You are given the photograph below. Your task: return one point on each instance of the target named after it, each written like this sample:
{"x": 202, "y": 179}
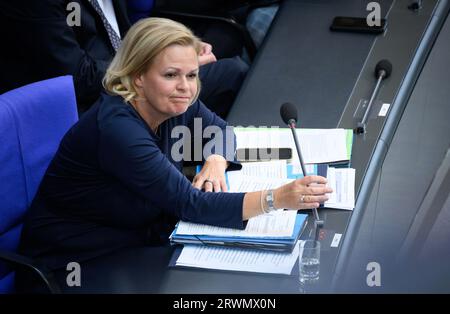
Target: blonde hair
{"x": 143, "y": 42}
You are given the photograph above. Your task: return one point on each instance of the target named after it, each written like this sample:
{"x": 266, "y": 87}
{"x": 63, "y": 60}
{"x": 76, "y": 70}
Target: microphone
{"x": 383, "y": 70}
{"x": 288, "y": 113}
{"x": 415, "y": 5}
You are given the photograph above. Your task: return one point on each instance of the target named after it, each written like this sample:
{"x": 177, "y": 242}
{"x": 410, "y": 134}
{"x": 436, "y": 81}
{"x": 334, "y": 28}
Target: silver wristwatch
{"x": 269, "y": 201}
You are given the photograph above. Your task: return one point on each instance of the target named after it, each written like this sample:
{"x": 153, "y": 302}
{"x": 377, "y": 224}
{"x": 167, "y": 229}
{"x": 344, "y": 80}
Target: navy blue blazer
{"x": 114, "y": 184}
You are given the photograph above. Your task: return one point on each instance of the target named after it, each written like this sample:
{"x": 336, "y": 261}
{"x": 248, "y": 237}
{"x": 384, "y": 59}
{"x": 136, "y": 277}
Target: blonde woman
{"x": 114, "y": 182}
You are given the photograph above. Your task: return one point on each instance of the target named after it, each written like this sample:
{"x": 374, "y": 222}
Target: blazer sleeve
{"x": 133, "y": 157}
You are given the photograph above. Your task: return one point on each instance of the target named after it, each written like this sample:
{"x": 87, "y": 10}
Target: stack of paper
{"x": 276, "y": 231}
{"x": 317, "y": 145}
{"x": 342, "y": 181}
{"x": 238, "y": 259}
{"x": 269, "y": 174}
{"x": 256, "y": 176}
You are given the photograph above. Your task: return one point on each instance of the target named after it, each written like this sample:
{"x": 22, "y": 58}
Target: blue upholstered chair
{"x": 33, "y": 120}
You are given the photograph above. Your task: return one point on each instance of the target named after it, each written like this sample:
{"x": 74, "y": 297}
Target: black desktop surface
{"x": 303, "y": 62}
{"x": 147, "y": 270}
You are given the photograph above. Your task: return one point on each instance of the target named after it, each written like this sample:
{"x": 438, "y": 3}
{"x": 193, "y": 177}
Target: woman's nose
{"x": 182, "y": 83}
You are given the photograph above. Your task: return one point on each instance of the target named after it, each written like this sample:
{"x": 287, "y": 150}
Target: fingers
{"x": 305, "y": 193}
{"x": 308, "y": 205}
{"x": 207, "y": 58}
{"x": 212, "y": 185}
{"x": 318, "y": 190}
{"x": 311, "y": 201}
{"x": 314, "y": 185}
{"x": 315, "y": 199}
{"x": 206, "y": 48}
{"x": 212, "y": 176}
{"x": 198, "y": 182}
{"x": 223, "y": 185}
{"x": 208, "y": 186}
{"x": 313, "y": 179}
{"x": 216, "y": 185}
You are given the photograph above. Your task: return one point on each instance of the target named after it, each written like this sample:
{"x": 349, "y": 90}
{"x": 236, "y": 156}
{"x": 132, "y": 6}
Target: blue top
{"x": 113, "y": 183}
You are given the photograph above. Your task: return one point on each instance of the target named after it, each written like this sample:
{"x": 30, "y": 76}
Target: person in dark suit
{"x": 116, "y": 181}
{"x": 41, "y": 41}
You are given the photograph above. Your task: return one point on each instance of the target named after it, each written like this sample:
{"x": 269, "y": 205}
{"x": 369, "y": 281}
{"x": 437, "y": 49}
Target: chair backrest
{"x": 33, "y": 120}
{"x": 139, "y": 9}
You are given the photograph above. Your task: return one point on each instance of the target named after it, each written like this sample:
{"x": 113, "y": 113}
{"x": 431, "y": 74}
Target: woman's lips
{"x": 181, "y": 98}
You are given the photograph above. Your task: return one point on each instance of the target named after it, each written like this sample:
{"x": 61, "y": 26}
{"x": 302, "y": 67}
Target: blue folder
{"x": 266, "y": 243}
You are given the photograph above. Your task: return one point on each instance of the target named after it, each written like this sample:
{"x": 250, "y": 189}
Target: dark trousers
{"x": 221, "y": 82}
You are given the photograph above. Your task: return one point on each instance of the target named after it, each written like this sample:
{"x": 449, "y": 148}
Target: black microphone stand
{"x": 361, "y": 127}
{"x": 317, "y": 221}
{"x": 383, "y": 70}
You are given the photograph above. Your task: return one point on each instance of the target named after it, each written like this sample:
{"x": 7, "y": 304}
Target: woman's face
{"x": 170, "y": 83}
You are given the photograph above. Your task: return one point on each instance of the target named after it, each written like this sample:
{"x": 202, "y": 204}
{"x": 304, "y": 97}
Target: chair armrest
{"x": 45, "y": 274}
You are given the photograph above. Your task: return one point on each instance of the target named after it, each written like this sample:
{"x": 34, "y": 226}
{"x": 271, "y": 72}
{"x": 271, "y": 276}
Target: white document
{"x": 239, "y": 183}
{"x": 342, "y": 181}
{"x": 264, "y": 169}
{"x": 279, "y": 223}
{"x": 298, "y": 172}
{"x": 238, "y": 259}
{"x": 257, "y": 176}
{"x": 317, "y": 145}
{"x": 274, "y": 169}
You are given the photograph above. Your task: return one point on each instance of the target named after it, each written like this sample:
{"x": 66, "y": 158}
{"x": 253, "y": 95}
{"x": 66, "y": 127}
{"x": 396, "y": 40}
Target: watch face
{"x": 269, "y": 199}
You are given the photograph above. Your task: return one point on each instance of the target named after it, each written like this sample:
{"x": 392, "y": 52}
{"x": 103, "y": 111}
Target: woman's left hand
{"x": 206, "y": 55}
{"x": 212, "y": 175}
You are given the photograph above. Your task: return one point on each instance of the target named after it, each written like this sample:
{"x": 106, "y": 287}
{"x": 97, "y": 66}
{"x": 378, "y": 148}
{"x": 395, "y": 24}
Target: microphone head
{"x": 288, "y": 112}
{"x": 383, "y": 65}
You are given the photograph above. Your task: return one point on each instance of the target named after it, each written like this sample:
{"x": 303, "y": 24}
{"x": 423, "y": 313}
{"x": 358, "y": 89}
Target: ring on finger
{"x": 302, "y": 199}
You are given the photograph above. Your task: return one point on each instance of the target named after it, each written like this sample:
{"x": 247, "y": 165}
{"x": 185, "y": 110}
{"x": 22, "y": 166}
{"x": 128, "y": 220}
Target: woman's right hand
{"x": 304, "y": 193}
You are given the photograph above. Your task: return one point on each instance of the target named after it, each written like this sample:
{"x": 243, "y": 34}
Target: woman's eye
{"x": 170, "y": 75}
{"x": 192, "y": 75}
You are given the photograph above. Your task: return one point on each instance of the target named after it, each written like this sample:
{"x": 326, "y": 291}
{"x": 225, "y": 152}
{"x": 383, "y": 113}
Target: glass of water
{"x": 309, "y": 262}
